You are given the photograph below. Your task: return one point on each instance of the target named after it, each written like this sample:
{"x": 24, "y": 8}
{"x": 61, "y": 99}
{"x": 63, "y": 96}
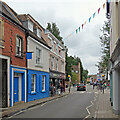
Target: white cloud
{"x": 69, "y": 15}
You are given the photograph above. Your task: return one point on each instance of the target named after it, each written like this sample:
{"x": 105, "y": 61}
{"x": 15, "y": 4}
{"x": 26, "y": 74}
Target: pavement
{"x": 101, "y": 106}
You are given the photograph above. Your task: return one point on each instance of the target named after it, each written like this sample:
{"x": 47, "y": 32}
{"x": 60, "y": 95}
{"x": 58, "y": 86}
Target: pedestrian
{"x": 52, "y": 90}
{"x": 103, "y": 87}
{"x": 61, "y": 88}
{"x": 93, "y": 85}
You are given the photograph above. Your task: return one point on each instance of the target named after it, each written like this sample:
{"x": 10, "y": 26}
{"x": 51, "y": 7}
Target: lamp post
{"x": 69, "y": 82}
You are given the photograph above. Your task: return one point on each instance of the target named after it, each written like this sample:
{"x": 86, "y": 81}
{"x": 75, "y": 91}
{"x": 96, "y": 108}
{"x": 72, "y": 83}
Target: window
{"x": 39, "y": 33}
{"x": 56, "y": 64}
{"x": 38, "y": 56}
{"x": 30, "y": 26}
{"x": 1, "y": 34}
{"x": 33, "y": 83}
{"x": 43, "y": 83}
{"x": 62, "y": 66}
{"x": 19, "y": 46}
{"x": 56, "y": 49}
{"x": 52, "y": 45}
{"x": 52, "y": 63}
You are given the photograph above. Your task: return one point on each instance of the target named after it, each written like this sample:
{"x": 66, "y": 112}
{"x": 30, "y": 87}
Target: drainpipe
{"x": 26, "y": 66}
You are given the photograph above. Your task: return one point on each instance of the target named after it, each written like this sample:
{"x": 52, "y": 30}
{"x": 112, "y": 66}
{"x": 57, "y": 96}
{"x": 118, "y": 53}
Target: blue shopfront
{"x": 38, "y": 85}
{"x": 17, "y": 85}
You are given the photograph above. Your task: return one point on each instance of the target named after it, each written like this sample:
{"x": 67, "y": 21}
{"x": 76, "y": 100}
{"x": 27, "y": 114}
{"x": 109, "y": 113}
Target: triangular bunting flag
{"x": 79, "y": 29}
{"x": 89, "y": 19}
{"x": 94, "y": 15}
{"x": 85, "y": 22}
{"x": 76, "y": 30}
{"x": 82, "y": 26}
{"x": 103, "y": 5}
{"x": 98, "y": 10}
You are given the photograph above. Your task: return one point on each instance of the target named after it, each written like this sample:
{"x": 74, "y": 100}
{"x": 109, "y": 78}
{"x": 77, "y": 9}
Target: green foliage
{"x": 54, "y": 30}
{"x": 70, "y": 61}
{"x": 105, "y": 46}
{"x": 85, "y": 75}
{"x": 75, "y": 76}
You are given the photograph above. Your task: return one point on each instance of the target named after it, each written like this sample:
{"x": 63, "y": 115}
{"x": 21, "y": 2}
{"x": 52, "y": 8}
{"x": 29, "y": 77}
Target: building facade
{"x": 12, "y": 57}
{"x": 113, "y": 9}
{"x": 38, "y": 64}
{"x": 56, "y": 61}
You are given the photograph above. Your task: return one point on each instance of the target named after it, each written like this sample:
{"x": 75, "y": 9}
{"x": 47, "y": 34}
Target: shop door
{"x": 16, "y": 87}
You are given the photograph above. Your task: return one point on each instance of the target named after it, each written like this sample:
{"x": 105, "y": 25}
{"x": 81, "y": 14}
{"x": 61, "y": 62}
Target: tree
{"x": 85, "y": 75}
{"x": 70, "y": 61}
{"x": 54, "y": 30}
{"x": 105, "y": 46}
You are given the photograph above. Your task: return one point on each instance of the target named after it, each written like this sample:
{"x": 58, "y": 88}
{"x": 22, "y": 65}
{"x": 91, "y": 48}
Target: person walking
{"x": 104, "y": 87}
{"x": 52, "y": 90}
{"x": 61, "y": 88}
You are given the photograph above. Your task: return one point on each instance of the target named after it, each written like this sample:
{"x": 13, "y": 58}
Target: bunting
{"x": 82, "y": 26}
{"x": 103, "y": 5}
{"x": 93, "y": 16}
{"x": 98, "y": 10}
{"x": 89, "y": 19}
{"x": 79, "y": 29}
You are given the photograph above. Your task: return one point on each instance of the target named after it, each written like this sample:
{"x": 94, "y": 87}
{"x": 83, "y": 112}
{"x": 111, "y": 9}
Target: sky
{"x": 69, "y": 15}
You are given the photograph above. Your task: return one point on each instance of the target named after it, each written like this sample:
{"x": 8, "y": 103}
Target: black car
{"x": 81, "y": 87}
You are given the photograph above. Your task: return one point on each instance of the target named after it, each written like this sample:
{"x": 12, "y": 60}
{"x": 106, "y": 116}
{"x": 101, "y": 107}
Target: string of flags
{"x": 89, "y": 20}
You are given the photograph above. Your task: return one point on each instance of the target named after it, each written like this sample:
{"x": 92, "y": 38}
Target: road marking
{"x": 14, "y": 115}
{"x": 87, "y": 108}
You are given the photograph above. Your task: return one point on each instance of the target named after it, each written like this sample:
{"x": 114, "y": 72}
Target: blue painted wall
{"x": 23, "y": 82}
{"x": 38, "y": 86}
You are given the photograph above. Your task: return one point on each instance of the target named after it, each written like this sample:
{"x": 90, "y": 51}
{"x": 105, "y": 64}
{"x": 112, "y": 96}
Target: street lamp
{"x": 69, "y": 82}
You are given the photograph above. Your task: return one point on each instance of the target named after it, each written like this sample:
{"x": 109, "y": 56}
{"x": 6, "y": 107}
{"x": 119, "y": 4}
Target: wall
{"x": 32, "y": 44}
{"x": 38, "y": 94}
{"x": 10, "y": 32}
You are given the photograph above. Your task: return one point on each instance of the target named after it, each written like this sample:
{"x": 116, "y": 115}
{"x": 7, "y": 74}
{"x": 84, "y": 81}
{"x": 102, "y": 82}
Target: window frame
{"x": 38, "y": 57}
{"x": 52, "y": 61}
{"x": 34, "y": 79}
{"x": 21, "y": 46}
{"x": 52, "y": 45}
{"x": 43, "y": 82}
{"x": 56, "y": 64}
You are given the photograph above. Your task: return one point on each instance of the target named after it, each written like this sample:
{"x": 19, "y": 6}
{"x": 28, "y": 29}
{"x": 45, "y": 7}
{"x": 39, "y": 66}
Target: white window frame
{"x": 33, "y": 77}
{"x": 30, "y": 25}
{"x": 38, "y": 56}
{"x": 19, "y": 46}
{"x": 52, "y": 45}
{"x": 56, "y": 49}
{"x": 62, "y": 66}
{"x": 56, "y": 64}
{"x": 39, "y": 33}
{"x": 52, "y": 63}
{"x": 43, "y": 82}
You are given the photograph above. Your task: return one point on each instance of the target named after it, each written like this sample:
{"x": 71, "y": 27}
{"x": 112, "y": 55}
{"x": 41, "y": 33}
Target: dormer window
{"x": 39, "y": 33}
{"x": 30, "y": 25}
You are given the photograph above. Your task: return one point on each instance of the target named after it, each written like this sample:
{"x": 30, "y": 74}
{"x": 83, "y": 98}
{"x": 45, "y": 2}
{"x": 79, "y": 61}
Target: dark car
{"x": 81, "y": 87}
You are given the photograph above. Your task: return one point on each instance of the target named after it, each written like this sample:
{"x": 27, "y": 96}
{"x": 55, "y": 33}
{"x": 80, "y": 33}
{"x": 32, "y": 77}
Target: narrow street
{"x": 71, "y": 106}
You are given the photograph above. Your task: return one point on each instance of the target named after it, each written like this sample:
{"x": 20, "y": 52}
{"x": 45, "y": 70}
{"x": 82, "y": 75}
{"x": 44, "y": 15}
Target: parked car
{"x": 81, "y": 87}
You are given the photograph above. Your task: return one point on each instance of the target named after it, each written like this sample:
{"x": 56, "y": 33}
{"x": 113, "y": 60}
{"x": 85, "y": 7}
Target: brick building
{"x": 12, "y": 57}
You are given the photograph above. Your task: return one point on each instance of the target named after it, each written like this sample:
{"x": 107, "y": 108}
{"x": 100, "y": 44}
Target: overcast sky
{"x": 69, "y": 15}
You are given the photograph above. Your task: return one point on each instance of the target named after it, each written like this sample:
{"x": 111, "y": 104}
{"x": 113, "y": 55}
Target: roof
{"x": 33, "y": 35}
{"x": 9, "y": 12}
{"x": 25, "y": 17}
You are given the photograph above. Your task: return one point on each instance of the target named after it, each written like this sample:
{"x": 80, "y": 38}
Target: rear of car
{"x": 81, "y": 87}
